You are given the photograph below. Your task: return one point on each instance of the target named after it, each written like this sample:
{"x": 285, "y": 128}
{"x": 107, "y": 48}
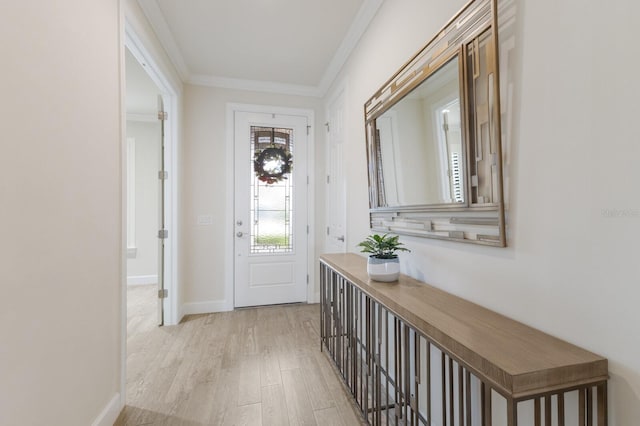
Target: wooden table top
{"x": 518, "y": 360}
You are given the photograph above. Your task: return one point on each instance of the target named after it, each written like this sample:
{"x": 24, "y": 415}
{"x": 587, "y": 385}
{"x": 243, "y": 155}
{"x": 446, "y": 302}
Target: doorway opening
{"x": 145, "y": 192}
{"x": 151, "y": 106}
{"x": 149, "y": 156}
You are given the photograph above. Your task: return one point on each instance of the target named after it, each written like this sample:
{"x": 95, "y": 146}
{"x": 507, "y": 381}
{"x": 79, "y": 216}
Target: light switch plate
{"x": 205, "y": 219}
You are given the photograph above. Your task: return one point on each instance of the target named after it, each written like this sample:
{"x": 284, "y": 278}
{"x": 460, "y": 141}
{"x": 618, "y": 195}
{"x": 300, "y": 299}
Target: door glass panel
{"x": 271, "y": 190}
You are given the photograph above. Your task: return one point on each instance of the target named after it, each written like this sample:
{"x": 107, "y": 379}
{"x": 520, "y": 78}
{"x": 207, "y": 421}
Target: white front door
{"x": 270, "y": 191}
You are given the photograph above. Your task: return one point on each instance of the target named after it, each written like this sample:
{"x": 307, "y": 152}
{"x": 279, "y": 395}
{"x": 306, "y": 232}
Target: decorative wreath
{"x": 272, "y": 164}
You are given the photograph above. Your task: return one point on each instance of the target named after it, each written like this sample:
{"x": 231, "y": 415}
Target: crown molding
{"x": 255, "y": 85}
{"x": 159, "y": 24}
{"x": 359, "y": 25}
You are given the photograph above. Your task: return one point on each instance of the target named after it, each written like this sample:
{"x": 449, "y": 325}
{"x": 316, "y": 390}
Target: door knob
{"x": 239, "y": 234}
{"x": 341, "y": 238}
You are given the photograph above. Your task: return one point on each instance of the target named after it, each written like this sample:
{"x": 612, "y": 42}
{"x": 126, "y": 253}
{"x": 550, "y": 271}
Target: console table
{"x": 413, "y": 354}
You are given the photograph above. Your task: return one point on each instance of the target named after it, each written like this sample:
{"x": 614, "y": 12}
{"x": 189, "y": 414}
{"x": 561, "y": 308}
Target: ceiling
{"x": 285, "y": 46}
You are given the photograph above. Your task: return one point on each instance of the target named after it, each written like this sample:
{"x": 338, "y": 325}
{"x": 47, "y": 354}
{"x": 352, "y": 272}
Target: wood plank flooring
{"x": 259, "y": 366}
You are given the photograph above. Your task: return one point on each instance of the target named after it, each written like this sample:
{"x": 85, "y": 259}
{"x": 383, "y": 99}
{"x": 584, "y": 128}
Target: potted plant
{"x": 383, "y": 264}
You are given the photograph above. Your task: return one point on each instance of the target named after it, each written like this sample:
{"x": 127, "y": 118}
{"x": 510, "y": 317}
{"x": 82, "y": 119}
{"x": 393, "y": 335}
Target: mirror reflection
{"x": 434, "y": 137}
{"x": 419, "y": 143}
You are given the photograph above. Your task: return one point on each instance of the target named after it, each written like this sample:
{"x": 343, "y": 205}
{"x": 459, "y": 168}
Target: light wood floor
{"x": 260, "y": 366}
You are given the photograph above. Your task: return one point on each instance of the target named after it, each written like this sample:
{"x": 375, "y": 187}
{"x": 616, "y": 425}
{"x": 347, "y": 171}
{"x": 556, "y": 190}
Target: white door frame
{"x": 171, "y": 94}
{"x": 170, "y": 98}
{"x": 232, "y": 108}
{"x": 339, "y": 92}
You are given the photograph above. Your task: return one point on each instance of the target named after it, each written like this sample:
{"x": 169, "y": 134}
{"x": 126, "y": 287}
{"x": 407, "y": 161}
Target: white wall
{"x": 61, "y": 212}
{"x": 204, "y": 182}
{"x": 570, "y": 95}
{"x": 147, "y": 141}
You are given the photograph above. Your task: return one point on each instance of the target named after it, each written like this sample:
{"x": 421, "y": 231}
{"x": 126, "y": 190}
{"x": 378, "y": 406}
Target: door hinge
{"x": 308, "y": 128}
{"x": 163, "y": 234}
{"x": 307, "y": 229}
{"x": 162, "y": 115}
{"x": 328, "y": 179}
{"x": 327, "y": 230}
{"x": 327, "y": 124}
{"x": 307, "y": 279}
{"x": 163, "y": 294}
{"x": 163, "y": 175}
{"x": 307, "y": 179}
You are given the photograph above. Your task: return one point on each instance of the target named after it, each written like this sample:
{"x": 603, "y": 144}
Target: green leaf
{"x": 382, "y": 246}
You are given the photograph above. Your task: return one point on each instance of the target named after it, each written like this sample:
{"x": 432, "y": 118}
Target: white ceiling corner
{"x": 161, "y": 28}
{"x": 357, "y": 28}
{"x": 332, "y": 66}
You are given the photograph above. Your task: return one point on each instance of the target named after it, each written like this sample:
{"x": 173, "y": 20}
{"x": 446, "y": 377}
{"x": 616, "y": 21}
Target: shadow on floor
{"x": 131, "y": 416}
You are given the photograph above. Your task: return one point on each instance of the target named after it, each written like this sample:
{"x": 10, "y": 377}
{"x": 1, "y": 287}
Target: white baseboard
{"x": 204, "y": 307}
{"x": 110, "y": 413}
{"x": 142, "y": 279}
{"x": 212, "y": 306}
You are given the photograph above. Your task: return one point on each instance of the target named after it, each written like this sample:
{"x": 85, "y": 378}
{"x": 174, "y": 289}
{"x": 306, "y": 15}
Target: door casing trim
{"x": 232, "y": 108}
{"x": 339, "y": 92}
{"x": 170, "y": 99}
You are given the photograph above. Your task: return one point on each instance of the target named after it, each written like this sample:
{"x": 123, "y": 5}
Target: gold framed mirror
{"x": 433, "y": 137}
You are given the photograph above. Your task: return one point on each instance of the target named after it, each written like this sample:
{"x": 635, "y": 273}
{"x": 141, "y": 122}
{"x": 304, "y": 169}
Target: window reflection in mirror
{"x": 434, "y": 137}
{"x": 420, "y": 146}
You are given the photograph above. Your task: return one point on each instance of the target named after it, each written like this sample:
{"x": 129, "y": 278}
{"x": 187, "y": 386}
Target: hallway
{"x": 258, "y": 366}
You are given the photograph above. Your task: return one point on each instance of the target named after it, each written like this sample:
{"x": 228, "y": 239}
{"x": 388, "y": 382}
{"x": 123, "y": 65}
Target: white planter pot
{"x": 385, "y": 270}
